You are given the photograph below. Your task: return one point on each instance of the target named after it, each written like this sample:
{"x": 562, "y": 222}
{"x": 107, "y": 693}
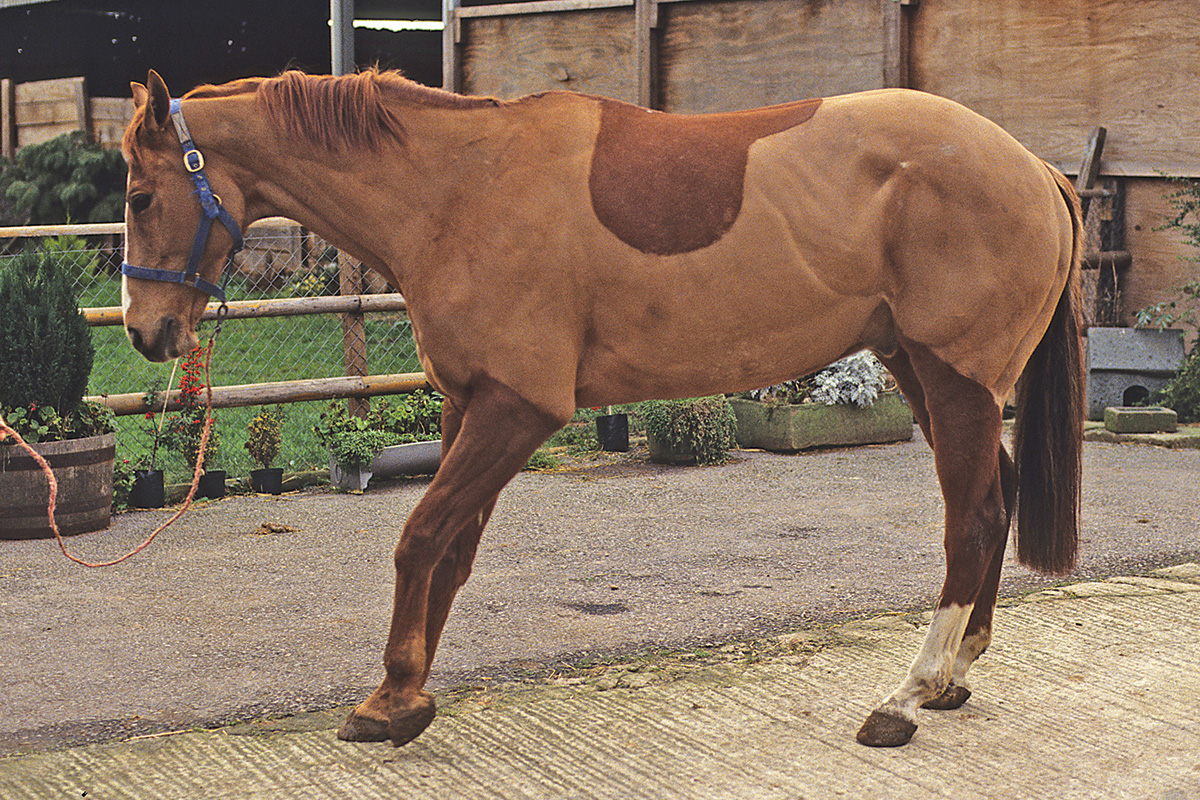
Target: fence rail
{"x": 306, "y": 325}
{"x": 257, "y": 394}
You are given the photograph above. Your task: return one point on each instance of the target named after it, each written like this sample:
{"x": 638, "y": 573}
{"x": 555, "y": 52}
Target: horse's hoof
{"x": 359, "y": 728}
{"x": 408, "y": 726}
{"x": 401, "y": 728}
{"x": 952, "y": 698}
{"x": 885, "y": 730}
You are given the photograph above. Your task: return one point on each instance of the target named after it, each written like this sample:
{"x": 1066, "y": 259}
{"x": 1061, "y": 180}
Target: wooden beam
{"x": 897, "y": 38}
{"x": 1089, "y": 170}
{"x": 646, "y": 51}
{"x": 256, "y": 394}
{"x": 539, "y": 7}
{"x": 283, "y": 307}
{"x": 8, "y": 119}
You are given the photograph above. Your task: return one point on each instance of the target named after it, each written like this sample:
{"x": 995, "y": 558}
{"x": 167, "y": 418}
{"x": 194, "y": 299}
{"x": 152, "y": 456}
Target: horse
{"x": 747, "y": 248}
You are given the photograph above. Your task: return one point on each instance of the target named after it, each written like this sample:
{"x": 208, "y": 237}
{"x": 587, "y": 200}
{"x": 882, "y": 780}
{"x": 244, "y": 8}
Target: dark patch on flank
{"x": 666, "y": 183}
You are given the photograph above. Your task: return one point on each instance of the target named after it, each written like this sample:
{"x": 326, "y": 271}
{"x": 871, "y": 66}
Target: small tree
{"x": 46, "y": 348}
{"x": 266, "y": 434}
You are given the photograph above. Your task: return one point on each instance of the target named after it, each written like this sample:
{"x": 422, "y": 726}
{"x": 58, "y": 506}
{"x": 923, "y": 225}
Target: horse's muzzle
{"x": 166, "y": 341}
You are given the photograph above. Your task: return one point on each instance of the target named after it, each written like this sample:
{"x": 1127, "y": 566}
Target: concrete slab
{"x": 1089, "y": 691}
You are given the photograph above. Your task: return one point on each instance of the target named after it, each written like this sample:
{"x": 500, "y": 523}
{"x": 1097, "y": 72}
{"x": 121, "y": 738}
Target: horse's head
{"x": 174, "y": 255}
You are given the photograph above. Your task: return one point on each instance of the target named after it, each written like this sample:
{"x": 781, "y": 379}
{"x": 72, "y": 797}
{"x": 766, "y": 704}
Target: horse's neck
{"x": 375, "y": 205}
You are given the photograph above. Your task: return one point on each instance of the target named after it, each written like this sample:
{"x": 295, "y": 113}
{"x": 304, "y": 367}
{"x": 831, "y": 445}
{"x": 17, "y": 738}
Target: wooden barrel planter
{"x": 84, "y": 470}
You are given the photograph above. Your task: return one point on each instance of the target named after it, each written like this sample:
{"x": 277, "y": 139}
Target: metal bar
{"x": 283, "y": 307}
{"x": 255, "y": 394}
{"x": 341, "y": 37}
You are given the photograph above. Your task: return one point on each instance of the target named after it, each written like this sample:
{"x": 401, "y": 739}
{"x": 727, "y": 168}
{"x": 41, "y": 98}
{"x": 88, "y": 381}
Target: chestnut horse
{"x": 746, "y": 248}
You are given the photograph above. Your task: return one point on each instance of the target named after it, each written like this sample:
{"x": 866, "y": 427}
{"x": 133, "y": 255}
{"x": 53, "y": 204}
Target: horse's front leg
{"x": 499, "y": 431}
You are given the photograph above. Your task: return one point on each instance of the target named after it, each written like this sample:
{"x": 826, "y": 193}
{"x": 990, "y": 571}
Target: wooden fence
{"x": 352, "y": 305}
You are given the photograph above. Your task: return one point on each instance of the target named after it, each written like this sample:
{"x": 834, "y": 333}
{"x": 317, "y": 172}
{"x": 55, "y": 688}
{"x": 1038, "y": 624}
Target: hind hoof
{"x": 952, "y": 698}
{"x": 885, "y": 730}
{"x": 401, "y": 727}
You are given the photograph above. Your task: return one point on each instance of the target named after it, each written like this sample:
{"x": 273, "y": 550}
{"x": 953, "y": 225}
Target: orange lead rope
{"x": 5, "y": 431}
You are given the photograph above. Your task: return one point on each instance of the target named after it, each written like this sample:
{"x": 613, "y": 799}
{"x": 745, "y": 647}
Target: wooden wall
{"x": 35, "y": 112}
{"x": 1048, "y": 72}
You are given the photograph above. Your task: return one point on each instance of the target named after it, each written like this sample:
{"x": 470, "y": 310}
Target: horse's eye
{"x": 140, "y": 202}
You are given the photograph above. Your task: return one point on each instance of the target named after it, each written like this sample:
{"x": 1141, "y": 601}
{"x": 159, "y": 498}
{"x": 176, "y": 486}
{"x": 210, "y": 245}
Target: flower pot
{"x": 787, "y": 428}
{"x": 84, "y": 471}
{"x": 212, "y": 484}
{"x": 612, "y": 430}
{"x": 148, "y": 490}
{"x": 351, "y": 477}
{"x": 415, "y": 458}
{"x": 268, "y": 480}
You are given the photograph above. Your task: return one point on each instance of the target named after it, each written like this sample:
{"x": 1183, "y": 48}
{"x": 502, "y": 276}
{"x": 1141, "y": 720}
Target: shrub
{"x": 357, "y": 440}
{"x": 265, "y": 435}
{"x": 703, "y": 428}
{"x": 46, "y": 348}
{"x": 67, "y": 179}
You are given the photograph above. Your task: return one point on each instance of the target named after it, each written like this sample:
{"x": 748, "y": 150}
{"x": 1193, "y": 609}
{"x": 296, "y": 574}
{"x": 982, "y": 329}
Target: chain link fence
{"x": 279, "y": 261}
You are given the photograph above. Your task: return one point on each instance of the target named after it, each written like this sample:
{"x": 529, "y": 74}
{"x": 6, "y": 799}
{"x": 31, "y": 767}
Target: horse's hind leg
{"x": 979, "y": 627}
{"x": 964, "y": 430}
{"x": 436, "y": 550}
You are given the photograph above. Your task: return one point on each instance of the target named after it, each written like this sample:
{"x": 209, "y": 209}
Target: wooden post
{"x": 451, "y": 35}
{"x": 646, "y": 50}
{"x": 354, "y": 329}
{"x": 8, "y": 119}
{"x": 897, "y": 18}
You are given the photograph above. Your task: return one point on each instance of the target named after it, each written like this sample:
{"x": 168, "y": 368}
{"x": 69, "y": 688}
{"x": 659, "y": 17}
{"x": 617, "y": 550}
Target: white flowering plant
{"x": 855, "y": 380}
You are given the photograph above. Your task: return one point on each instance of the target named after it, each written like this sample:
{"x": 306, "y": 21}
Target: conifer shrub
{"x": 45, "y": 343}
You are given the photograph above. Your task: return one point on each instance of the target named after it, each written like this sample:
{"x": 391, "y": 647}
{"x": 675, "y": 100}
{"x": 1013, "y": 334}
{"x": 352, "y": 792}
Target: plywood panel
{"x": 1049, "y": 72}
{"x": 109, "y": 117}
{"x": 46, "y": 109}
{"x": 1161, "y": 258}
{"x": 585, "y": 51}
{"x": 718, "y": 56}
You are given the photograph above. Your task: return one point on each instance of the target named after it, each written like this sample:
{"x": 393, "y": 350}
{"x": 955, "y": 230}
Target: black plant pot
{"x": 613, "y": 432}
{"x": 147, "y": 491}
{"x": 212, "y": 484}
{"x": 268, "y": 480}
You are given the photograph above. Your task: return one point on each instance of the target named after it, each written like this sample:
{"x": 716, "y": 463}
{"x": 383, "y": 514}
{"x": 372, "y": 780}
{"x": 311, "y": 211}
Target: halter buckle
{"x": 193, "y": 160}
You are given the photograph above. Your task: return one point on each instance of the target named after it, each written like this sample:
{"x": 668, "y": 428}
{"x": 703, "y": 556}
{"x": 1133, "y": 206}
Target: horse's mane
{"x": 337, "y": 112}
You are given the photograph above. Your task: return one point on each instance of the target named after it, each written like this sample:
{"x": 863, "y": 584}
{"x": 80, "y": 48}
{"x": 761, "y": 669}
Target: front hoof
{"x": 401, "y": 727}
{"x": 885, "y": 730}
{"x": 952, "y": 698}
{"x": 408, "y": 725}
{"x": 360, "y": 728}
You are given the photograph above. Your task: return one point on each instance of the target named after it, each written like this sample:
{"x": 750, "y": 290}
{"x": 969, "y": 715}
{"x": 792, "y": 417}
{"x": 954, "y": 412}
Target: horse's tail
{"x": 1048, "y": 434}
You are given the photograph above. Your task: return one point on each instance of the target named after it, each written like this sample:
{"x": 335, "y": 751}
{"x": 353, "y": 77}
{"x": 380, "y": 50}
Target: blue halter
{"x": 210, "y": 203}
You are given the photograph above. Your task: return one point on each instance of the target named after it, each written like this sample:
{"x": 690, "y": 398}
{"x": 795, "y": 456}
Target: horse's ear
{"x": 140, "y": 93}
{"x": 159, "y": 99}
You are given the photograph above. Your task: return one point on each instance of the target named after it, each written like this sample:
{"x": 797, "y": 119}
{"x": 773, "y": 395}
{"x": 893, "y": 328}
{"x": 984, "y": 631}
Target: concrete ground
{"x": 1088, "y": 694}
{"x": 630, "y": 631}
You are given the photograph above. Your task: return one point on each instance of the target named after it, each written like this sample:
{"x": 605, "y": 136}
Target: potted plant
{"x": 184, "y": 429}
{"x": 45, "y": 360}
{"x": 392, "y": 439}
{"x": 690, "y": 431}
{"x": 265, "y": 434}
{"x": 850, "y": 402}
